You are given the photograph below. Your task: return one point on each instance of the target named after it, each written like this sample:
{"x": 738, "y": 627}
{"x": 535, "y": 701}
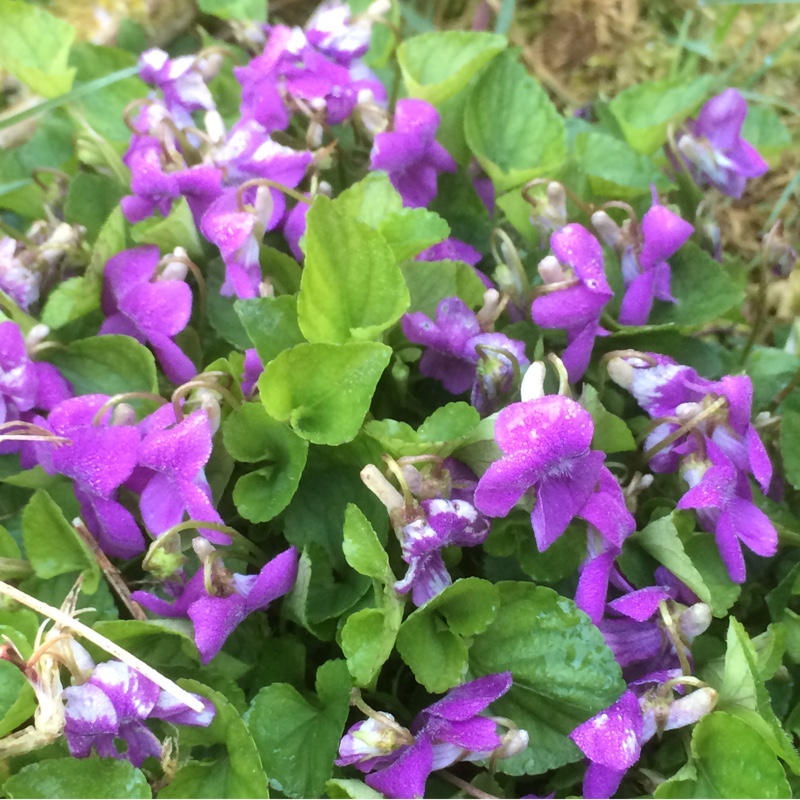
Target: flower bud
{"x": 608, "y": 230}
{"x": 551, "y": 270}
{"x": 695, "y": 620}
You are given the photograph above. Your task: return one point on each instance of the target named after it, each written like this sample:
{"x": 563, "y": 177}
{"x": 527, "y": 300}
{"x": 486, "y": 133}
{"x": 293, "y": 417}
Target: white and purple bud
{"x": 372, "y": 738}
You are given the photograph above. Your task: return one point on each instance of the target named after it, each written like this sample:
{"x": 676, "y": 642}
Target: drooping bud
{"x": 695, "y": 620}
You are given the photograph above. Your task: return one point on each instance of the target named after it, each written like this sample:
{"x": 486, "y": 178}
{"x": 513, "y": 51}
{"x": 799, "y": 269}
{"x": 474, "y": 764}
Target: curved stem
{"x": 687, "y": 427}
{"x": 281, "y": 187}
{"x": 172, "y": 532}
{"x": 120, "y": 398}
{"x": 185, "y": 388}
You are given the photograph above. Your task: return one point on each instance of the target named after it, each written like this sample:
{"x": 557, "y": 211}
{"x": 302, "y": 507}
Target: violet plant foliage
{"x": 499, "y": 443}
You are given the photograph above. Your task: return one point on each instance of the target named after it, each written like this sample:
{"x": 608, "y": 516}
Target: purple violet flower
{"x": 612, "y": 740}
{"x": 722, "y": 498}
{"x": 666, "y": 389}
{"x": 181, "y": 80}
{"x": 176, "y": 457}
{"x": 643, "y": 253}
{"x": 332, "y": 30}
{"x": 99, "y": 459}
{"x": 17, "y": 279}
{"x": 233, "y": 597}
{"x": 713, "y": 146}
{"x": 576, "y": 296}
{"x": 24, "y": 384}
{"x": 410, "y": 153}
{"x": 113, "y": 704}
{"x": 398, "y": 761}
{"x": 446, "y": 523}
{"x": 546, "y": 447}
{"x": 462, "y": 355}
{"x": 148, "y": 307}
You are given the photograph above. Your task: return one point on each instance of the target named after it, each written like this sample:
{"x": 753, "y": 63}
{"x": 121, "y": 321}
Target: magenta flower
{"x": 576, "y": 296}
{"x": 643, "y": 253}
{"x": 233, "y": 597}
{"x": 176, "y": 484}
{"x": 17, "y": 279}
{"x": 546, "y": 447}
{"x": 722, "y": 498}
{"x": 410, "y": 153}
{"x": 462, "y": 356}
{"x": 181, "y": 80}
{"x": 113, "y": 704}
{"x": 612, "y": 740}
{"x": 714, "y": 149}
{"x": 399, "y": 761}
{"x": 99, "y": 459}
{"x": 332, "y": 31}
{"x": 148, "y": 307}
{"x": 445, "y": 523}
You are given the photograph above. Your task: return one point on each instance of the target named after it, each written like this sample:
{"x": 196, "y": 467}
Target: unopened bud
{"x": 532, "y": 386}
{"x": 378, "y": 484}
{"x": 695, "y": 620}
{"x": 607, "y": 229}
{"x": 210, "y": 404}
{"x": 36, "y": 335}
{"x": 123, "y": 414}
{"x": 203, "y": 548}
{"x": 175, "y": 268}
{"x": 513, "y": 743}
{"x": 621, "y": 372}
{"x": 689, "y": 709}
{"x": 551, "y": 270}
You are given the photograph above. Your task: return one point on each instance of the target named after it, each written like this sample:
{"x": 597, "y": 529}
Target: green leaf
{"x": 53, "y": 546}
{"x": 412, "y": 230}
{"x": 438, "y": 65}
{"x": 104, "y": 108}
{"x": 563, "y": 672}
{"x": 645, "y": 111}
{"x": 352, "y": 288}
{"x": 34, "y": 47}
{"x": 17, "y": 700}
{"x": 176, "y": 230}
{"x": 730, "y": 760}
{"x": 765, "y": 130}
{"x": 252, "y": 436}
{"x": 440, "y": 434}
{"x": 702, "y": 287}
{"x": 331, "y": 481}
{"x": 362, "y": 548}
{"x": 431, "y": 639}
{"x": 661, "y": 540}
{"x": 611, "y": 434}
{"x": 90, "y": 201}
{"x": 512, "y": 127}
{"x": 237, "y": 774}
{"x": 109, "y": 364}
{"x": 324, "y": 390}
{"x": 368, "y": 638}
{"x": 790, "y": 452}
{"x": 78, "y": 778}
{"x": 298, "y": 740}
{"x": 70, "y": 300}
{"x": 742, "y": 693}
{"x": 431, "y": 281}
{"x": 271, "y": 323}
{"x": 317, "y": 599}
{"x": 255, "y": 10}
{"x": 613, "y": 168}
{"x": 371, "y": 200}
{"x": 110, "y": 241}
